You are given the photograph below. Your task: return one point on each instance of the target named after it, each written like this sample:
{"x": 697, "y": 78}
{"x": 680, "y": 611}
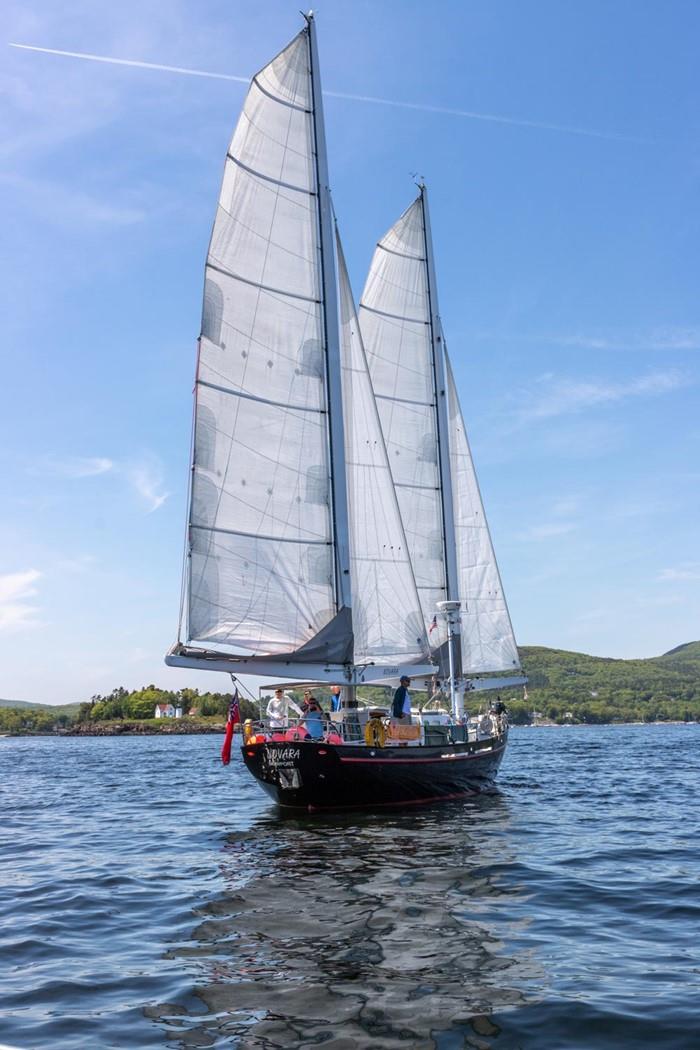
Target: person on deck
{"x": 401, "y": 707}
{"x": 313, "y": 716}
{"x": 278, "y": 709}
{"x": 336, "y": 697}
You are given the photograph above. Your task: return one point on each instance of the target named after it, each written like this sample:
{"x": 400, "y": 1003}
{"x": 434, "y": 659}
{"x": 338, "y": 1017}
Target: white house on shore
{"x": 168, "y": 711}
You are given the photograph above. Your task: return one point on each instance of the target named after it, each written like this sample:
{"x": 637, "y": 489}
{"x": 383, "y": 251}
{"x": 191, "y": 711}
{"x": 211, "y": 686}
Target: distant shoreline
{"x": 133, "y": 729}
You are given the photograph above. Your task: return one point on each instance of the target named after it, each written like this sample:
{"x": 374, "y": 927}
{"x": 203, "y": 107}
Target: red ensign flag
{"x": 234, "y": 716}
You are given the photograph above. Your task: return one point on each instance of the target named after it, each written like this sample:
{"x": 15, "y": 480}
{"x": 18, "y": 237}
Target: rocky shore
{"x": 173, "y": 727}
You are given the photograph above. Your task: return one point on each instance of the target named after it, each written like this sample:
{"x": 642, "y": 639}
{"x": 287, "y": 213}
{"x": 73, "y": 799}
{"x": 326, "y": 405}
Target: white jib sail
{"x": 395, "y": 323}
{"x": 388, "y": 622}
{"x": 261, "y": 544}
{"x": 488, "y": 642}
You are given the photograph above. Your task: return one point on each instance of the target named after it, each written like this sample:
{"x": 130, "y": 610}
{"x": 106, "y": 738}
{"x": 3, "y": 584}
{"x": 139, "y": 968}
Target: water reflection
{"x": 357, "y": 931}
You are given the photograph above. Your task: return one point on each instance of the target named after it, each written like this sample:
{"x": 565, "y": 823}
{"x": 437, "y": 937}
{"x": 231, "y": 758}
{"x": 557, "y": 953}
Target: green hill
{"x": 58, "y": 709}
{"x": 590, "y": 687}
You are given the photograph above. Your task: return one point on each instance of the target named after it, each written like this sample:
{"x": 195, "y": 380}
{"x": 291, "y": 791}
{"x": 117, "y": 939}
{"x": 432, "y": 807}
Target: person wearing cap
{"x": 401, "y": 707}
{"x": 336, "y": 698}
{"x": 313, "y": 716}
{"x": 278, "y": 709}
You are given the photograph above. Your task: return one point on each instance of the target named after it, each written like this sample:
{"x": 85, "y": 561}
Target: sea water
{"x": 150, "y": 897}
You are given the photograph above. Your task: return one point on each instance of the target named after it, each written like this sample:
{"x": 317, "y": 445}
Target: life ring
{"x": 375, "y": 733}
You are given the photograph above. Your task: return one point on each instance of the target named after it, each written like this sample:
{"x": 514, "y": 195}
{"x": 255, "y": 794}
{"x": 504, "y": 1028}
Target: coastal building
{"x": 168, "y": 711}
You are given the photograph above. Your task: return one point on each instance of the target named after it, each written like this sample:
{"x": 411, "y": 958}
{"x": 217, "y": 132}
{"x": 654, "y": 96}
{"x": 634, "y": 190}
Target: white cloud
{"x": 147, "y": 481}
{"x": 548, "y": 530}
{"x": 16, "y": 591}
{"x": 145, "y": 476}
{"x": 670, "y": 337}
{"x": 78, "y": 466}
{"x": 62, "y": 205}
{"x": 555, "y": 396}
{"x": 687, "y": 571}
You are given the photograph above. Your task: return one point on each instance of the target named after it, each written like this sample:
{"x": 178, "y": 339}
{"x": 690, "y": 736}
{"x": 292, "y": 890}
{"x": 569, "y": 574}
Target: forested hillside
{"x": 563, "y": 687}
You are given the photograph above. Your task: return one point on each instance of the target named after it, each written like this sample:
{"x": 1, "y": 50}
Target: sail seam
{"x": 257, "y": 284}
{"x": 396, "y": 317}
{"x": 276, "y": 98}
{"x": 270, "y": 178}
{"x": 402, "y": 255}
{"x": 261, "y": 536}
{"x": 260, "y": 400}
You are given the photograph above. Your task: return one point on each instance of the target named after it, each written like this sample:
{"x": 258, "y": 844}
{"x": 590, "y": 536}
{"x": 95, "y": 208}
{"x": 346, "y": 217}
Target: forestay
{"x": 261, "y": 540}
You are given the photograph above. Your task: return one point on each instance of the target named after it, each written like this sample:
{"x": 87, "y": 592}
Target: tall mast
{"x": 331, "y": 337}
{"x": 448, "y": 517}
{"x": 450, "y": 608}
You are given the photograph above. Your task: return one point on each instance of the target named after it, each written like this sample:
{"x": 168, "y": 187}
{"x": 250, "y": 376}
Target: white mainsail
{"x": 261, "y": 537}
{"x": 448, "y": 537}
{"x": 296, "y": 546}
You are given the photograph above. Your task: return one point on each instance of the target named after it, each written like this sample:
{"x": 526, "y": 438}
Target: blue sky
{"x": 566, "y": 231}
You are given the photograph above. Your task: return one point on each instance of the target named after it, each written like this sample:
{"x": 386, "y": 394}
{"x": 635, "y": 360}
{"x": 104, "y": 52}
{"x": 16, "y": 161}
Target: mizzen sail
{"x": 395, "y": 318}
{"x": 448, "y": 538}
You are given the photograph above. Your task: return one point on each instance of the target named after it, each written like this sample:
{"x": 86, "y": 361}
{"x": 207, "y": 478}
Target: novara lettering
{"x": 282, "y": 756}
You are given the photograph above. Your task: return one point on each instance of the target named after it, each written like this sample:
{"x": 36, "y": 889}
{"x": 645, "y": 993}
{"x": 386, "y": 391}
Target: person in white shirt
{"x": 278, "y": 709}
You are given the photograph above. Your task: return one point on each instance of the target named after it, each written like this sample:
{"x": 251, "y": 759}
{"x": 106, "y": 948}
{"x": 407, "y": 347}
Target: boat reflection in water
{"x": 345, "y": 932}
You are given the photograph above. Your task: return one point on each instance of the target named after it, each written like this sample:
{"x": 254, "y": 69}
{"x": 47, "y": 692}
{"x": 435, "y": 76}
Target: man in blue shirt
{"x": 401, "y": 707}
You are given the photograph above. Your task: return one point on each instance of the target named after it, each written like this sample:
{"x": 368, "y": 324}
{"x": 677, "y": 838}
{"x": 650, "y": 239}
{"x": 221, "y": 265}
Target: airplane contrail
{"x": 371, "y": 99}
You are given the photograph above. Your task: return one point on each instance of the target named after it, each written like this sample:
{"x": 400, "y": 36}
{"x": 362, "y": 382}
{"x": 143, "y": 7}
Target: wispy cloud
{"x": 62, "y": 205}
{"x": 662, "y": 339}
{"x": 17, "y": 611}
{"x": 146, "y": 478}
{"x": 548, "y": 530}
{"x": 666, "y": 338}
{"x": 76, "y": 467}
{"x": 683, "y": 573}
{"x": 556, "y": 396}
{"x": 368, "y": 99}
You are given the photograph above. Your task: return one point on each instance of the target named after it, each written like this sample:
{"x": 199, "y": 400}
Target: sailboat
{"x": 335, "y": 529}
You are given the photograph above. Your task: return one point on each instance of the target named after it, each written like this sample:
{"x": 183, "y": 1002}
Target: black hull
{"x": 313, "y": 775}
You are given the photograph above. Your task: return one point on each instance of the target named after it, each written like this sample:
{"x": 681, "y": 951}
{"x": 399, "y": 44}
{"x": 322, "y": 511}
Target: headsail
{"x": 487, "y": 639}
{"x": 387, "y": 618}
{"x": 428, "y": 452}
{"x": 262, "y": 542}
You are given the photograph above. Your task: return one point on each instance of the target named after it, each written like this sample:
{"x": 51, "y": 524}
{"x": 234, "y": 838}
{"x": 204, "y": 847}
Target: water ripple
{"x": 151, "y": 898}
